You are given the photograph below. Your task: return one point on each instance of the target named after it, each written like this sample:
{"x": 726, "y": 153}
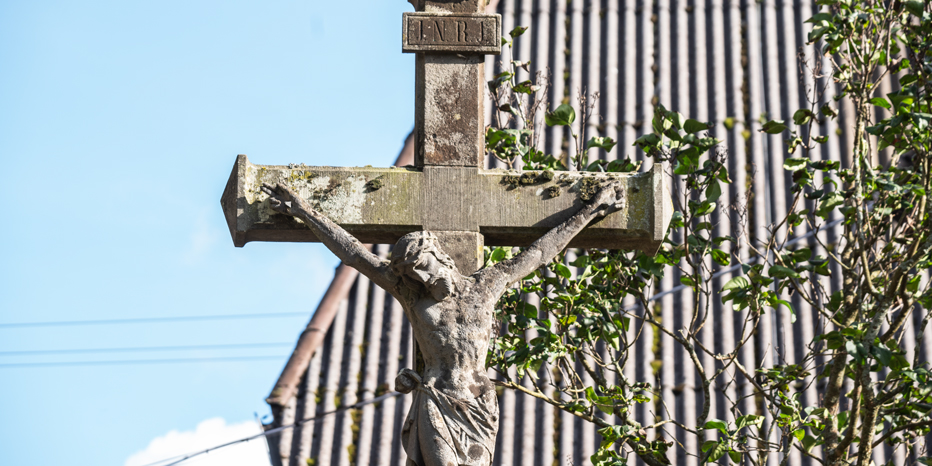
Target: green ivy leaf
{"x": 647, "y": 140}
{"x": 876, "y": 130}
{"x": 883, "y": 355}
{"x": 716, "y": 424}
{"x": 809, "y": 442}
{"x": 721, "y": 257}
{"x": 819, "y": 17}
{"x": 802, "y": 254}
{"x": 773, "y": 127}
{"x": 779, "y": 271}
{"x": 748, "y": 420}
{"x": 694, "y": 126}
{"x": 802, "y": 116}
{"x": 834, "y": 199}
{"x": 881, "y": 102}
{"x": 606, "y": 143}
{"x": 526, "y": 87}
{"x": 900, "y": 100}
{"x": 737, "y": 283}
{"x": 564, "y": 115}
{"x": 562, "y": 270}
{"x": 717, "y": 452}
{"x": 517, "y": 31}
{"x": 607, "y": 457}
{"x": 713, "y": 192}
{"x": 795, "y": 164}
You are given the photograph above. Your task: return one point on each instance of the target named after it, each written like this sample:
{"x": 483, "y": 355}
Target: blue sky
{"x": 119, "y": 125}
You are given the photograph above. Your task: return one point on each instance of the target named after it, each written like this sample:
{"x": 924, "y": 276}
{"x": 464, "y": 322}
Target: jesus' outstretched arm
{"x": 609, "y": 199}
{"x": 339, "y": 241}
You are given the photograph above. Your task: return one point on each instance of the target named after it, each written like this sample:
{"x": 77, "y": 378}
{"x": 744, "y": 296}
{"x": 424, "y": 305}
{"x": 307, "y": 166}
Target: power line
{"x": 182, "y": 458}
{"x": 144, "y": 320}
{"x": 138, "y": 361}
{"x": 145, "y": 348}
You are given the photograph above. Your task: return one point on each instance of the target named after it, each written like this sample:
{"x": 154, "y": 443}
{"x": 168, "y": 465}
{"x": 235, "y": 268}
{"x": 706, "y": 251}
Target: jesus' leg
{"x": 436, "y": 444}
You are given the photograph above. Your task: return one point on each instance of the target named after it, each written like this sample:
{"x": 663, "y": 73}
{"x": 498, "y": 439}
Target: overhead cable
{"x": 149, "y": 320}
{"x": 144, "y": 348}
{"x": 138, "y": 361}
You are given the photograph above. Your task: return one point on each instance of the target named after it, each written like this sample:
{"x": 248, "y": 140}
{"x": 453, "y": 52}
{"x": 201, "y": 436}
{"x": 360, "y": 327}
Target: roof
{"x": 726, "y": 62}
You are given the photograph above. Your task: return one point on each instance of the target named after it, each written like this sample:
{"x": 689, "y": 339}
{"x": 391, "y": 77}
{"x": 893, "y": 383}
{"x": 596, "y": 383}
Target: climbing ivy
{"x": 567, "y": 327}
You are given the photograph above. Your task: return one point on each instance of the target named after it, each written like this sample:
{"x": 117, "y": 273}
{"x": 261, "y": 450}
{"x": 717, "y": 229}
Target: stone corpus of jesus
{"x": 454, "y": 416}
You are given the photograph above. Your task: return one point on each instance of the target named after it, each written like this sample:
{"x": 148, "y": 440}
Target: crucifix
{"x": 440, "y": 213}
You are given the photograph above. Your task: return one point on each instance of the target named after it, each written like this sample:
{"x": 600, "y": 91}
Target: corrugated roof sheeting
{"x": 732, "y": 63}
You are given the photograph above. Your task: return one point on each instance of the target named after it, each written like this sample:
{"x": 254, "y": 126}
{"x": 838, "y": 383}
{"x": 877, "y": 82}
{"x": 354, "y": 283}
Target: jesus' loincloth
{"x": 467, "y": 426}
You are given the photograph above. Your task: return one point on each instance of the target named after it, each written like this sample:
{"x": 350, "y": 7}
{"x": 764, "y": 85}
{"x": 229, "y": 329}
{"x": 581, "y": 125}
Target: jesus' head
{"x": 417, "y": 256}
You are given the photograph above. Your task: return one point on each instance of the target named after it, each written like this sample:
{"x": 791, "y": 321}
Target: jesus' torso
{"x": 453, "y": 335}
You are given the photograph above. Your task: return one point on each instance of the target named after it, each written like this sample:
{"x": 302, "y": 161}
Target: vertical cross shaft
{"x": 451, "y": 39}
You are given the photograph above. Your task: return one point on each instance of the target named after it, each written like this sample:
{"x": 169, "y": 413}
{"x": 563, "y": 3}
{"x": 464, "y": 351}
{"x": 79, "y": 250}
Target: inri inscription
{"x": 430, "y": 32}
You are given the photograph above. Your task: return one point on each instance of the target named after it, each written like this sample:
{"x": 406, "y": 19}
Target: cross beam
{"x": 379, "y": 205}
{"x": 446, "y": 191}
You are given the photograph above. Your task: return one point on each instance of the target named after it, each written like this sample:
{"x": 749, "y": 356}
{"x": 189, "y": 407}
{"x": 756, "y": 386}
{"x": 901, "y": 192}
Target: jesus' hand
{"x": 610, "y": 198}
{"x": 282, "y": 199}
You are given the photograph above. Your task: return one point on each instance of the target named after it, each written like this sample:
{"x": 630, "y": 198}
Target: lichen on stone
{"x": 527, "y": 178}
{"x": 588, "y": 187}
{"x": 511, "y": 181}
{"x": 535, "y": 177}
{"x": 374, "y": 185}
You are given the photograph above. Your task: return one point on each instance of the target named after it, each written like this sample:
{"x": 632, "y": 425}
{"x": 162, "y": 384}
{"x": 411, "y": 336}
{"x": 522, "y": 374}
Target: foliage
{"x": 517, "y": 121}
{"x": 567, "y": 327}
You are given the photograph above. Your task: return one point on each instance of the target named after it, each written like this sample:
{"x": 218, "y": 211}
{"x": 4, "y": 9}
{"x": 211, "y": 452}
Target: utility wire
{"x": 180, "y": 459}
{"x": 138, "y": 361}
{"x": 145, "y": 348}
{"x": 145, "y": 320}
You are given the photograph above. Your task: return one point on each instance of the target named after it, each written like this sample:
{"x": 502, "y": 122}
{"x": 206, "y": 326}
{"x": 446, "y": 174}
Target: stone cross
{"x": 447, "y": 191}
{"x": 454, "y": 412}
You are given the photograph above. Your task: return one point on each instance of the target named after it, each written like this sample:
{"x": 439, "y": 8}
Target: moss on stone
{"x": 553, "y": 191}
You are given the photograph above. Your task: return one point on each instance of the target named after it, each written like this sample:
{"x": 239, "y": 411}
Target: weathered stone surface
{"x": 465, "y": 247}
{"x": 453, "y": 196}
{"x": 505, "y": 208}
{"x": 449, "y": 117}
{"x": 430, "y": 32}
{"x": 372, "y": 203}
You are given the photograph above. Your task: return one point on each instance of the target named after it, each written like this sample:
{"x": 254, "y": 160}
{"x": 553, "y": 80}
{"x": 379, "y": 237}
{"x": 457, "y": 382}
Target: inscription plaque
{"x": 431, "y": 32}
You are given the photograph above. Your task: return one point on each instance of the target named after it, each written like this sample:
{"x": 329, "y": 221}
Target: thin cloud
{"x": 209, "y": 433}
